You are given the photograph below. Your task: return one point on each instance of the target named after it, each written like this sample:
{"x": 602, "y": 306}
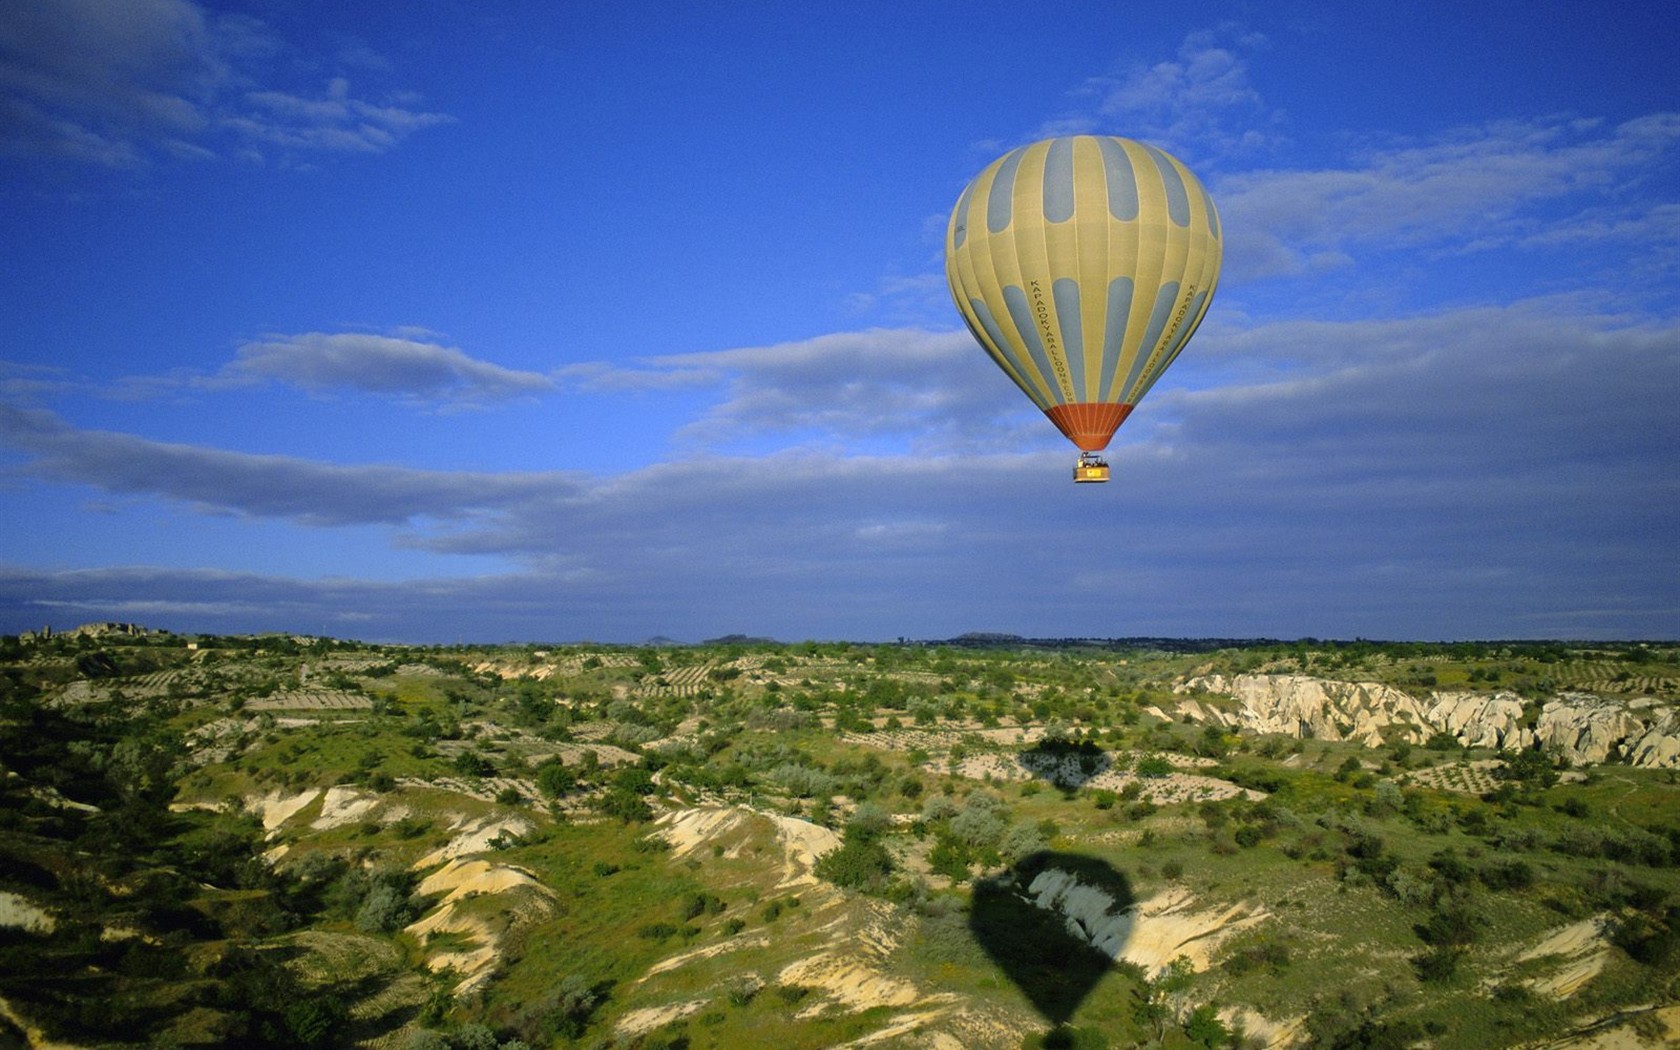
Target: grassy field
{"x": 813, "y": 845}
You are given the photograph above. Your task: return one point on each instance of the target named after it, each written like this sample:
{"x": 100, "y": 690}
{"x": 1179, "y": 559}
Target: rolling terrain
{"x": 991, "y": 842}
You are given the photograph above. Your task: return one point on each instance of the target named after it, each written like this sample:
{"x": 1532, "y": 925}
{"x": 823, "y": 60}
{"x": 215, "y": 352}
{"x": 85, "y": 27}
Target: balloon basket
{"x": 1090, "y": 468}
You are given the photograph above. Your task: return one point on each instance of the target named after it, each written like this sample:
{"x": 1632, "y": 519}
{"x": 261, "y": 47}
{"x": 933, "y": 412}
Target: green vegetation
{"x": 304, "y": 842}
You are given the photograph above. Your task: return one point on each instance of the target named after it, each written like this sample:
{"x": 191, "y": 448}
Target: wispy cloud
{"x": 332, "y": 122}
{"x": 1474, "y": 188}
{"x": 1198, "y": 104}
{"x": 410, "y": 369}
{"x": 122, "y": 84}
{"x": 930, "y": 391}
{"x": 263, "y": 486}
{"x": 1432, "y": 477}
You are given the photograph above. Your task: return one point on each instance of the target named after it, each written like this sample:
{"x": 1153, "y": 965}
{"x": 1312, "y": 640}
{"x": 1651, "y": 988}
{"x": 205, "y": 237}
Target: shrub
{"x": 1508, "y": 875}
{"x": 792, "y": 993}
{"x": 472, "y": 764}
{"x": 861, "y": 864}
{"x": 698, "y": 903}
{"x": 1153, "y": 766}
{"x": 554, "y": 779}
{"x": 1437, "y": 965}
{"x": 626, "y": 805}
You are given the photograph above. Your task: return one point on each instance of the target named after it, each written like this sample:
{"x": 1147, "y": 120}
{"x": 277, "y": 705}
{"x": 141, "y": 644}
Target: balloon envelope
{"x": 1083, "y": 264}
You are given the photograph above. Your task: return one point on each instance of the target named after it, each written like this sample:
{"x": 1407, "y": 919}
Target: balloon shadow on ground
{"x": 1066, "y": 764}
{"x": 1047, "y": 954}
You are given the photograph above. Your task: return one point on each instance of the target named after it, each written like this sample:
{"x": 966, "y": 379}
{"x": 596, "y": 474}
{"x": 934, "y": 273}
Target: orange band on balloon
{"x": 1089, "y": 425}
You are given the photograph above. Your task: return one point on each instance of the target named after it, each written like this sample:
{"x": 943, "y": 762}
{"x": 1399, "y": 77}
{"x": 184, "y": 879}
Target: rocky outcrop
{"x": 1585, "y": 728}
{"x": 1492, "y": 720}
{"x": 1312, "y": 708}
{"x": 1641, "y": 732}
{"x": 1151, "y": 934}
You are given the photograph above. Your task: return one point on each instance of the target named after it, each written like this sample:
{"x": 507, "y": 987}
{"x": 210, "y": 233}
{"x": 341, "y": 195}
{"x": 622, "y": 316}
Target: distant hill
{"x": 994, "y": 640}
{"x": 739, "y": 639}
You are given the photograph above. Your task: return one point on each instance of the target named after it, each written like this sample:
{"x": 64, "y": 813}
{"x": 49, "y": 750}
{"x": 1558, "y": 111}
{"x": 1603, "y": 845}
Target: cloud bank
{"x": 1467, "y": 473}
{"x": 121, "y": 85}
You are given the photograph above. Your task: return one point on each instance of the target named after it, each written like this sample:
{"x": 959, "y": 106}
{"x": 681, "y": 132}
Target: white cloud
{"x": 926, "y": 391}
{"x": 117, "y": 84}
{"x": 1199, "y": 104}
{"x": 1473, "y": 473}
{"x": 408, "y": 368}
{"x": 1478, "y": 188}
{"x": 264, "y": 486}
{"x": 333, "y": 122}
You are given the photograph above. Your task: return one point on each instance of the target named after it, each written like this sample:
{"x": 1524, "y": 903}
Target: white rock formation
{"x": 1480, "y": 719}
{"x": 1302, "y": 706}
{"x": 1586, "y": 729}
{"x": 1150, "y": 934}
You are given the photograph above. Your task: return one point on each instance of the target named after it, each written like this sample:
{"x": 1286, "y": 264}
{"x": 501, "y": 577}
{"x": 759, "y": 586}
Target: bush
{"x": 1153, "y": 766}
{"x": 633, "y": 778}
{"x": 1508, "y": 875}
{"x": 792, "y": 993}
{"x": 869, "y": 822}
{"x": 698, "y": 904}
{"x": 859, "y": 864}
{"x": 554, "y": 779}
{"x": 626, "y": 805}
{"x": 744, "y": 990}
{"x": 1204, "y": 1028}
{"x": 1022, "y": 840}
{"x": 472, "y": 764}
{"x": 564, "y": 1012}
{"x": 1437, "y": 965}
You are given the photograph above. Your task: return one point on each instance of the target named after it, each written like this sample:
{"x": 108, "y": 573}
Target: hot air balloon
{"x": 1082, "y": 265}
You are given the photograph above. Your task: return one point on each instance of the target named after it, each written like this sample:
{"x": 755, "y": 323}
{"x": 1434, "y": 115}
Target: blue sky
{"x": 440, "y": 321}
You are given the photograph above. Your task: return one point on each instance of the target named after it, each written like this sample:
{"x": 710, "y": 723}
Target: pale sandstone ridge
{"x": 1586, "y": 729}
{"x": 1640, "y": 732}
{"x": 1579, "y": 951}
{"x": 521, "y": 900}
{"x": 1302, "y": 706}
{"x": 1150, "y": 934}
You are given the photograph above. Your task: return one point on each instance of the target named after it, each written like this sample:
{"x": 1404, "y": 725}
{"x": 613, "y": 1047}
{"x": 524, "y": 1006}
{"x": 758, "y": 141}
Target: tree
{"x": 626, "y": 805}
{"x": 1161, "y": 1000}
{"x": 1533, "y": 769}
{"x": 555, "y": 779}
{"x": 861, "y": 863}
{"x": 1204, "y": 1028}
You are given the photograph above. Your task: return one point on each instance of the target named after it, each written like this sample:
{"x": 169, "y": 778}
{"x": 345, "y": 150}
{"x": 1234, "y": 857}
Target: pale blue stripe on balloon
{"x": 1122, "y": 180}
{"x": 1213, "y": 216}
{"x": 1020, "y": 311}
{"x": 962, "y": 215}
{"x": 1058, "y": 181}
{"x": 1114, "y": 331}
{"x": 995, "y": 341}
{"x": 1192, "y": 319}
{"x": 1178, "y": 201}
{"x": 1000, "y": 203}
{"x": 1065, "y": 291}
{"x": 1158, "y": 316}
